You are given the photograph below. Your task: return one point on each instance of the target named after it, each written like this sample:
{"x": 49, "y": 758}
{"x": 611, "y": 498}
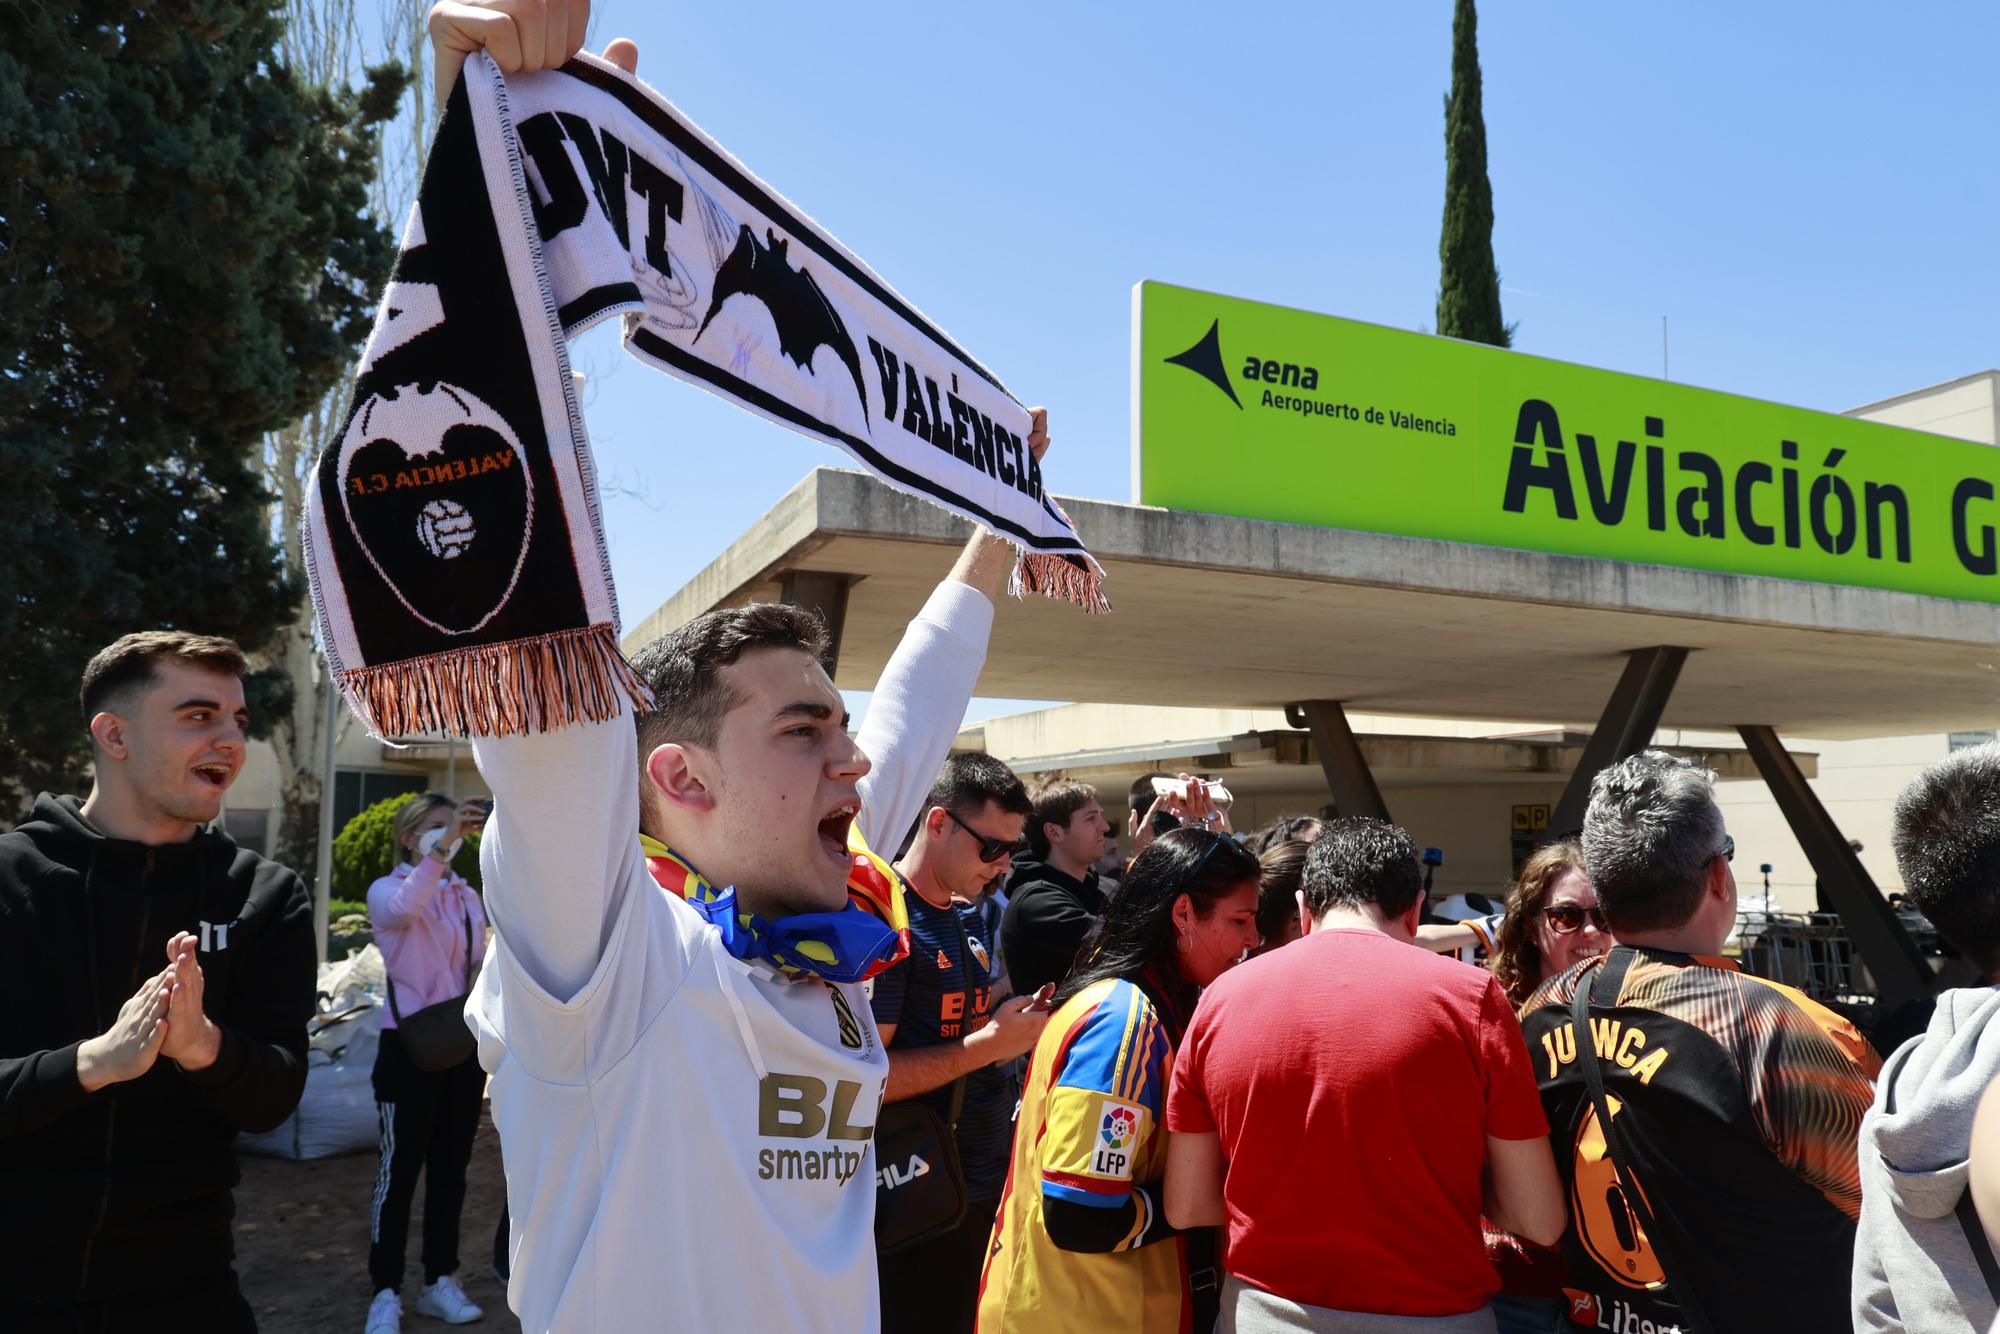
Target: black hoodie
{"x": 128, "y": 1188}
{"x": 1048, "y": 915}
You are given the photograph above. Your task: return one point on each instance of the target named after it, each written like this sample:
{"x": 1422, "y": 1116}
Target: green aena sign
{"x": 1263, "y": 412}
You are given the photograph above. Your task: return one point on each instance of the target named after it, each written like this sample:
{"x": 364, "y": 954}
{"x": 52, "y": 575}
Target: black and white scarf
{"x": 453, "y": 540}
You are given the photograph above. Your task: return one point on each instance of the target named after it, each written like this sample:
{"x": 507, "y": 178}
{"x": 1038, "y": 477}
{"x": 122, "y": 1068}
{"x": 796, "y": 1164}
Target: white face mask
{"x": 429, "y": 839}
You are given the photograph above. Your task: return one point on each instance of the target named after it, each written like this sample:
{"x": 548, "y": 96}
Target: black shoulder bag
{"x": 1614, "y": 1139}
{"x": 437, "y": 1036}
{"x": 919, "y": 1181}
{"x": 1967, "y": 1212}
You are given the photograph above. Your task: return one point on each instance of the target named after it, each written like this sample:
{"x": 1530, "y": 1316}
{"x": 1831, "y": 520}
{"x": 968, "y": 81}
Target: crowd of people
{"x": 1241, "y": 1086}
{"x": 787, "y": 1028}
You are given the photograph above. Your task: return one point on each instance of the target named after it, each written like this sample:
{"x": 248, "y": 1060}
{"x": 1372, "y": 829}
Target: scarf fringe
{"x": 1068, "y": 578}
{"x": 538, "y": 684}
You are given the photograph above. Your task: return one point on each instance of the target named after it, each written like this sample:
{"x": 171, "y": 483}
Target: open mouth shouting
{"x": 833, "y": 827}
{"x": 215, "y": 773}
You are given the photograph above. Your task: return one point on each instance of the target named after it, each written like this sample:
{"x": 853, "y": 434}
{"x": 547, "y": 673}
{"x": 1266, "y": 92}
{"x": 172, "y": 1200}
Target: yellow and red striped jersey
{"x": 1092, "y": 1123}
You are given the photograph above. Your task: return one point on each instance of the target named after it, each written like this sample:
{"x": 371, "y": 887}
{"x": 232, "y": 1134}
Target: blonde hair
{"x": 413, "y": 813}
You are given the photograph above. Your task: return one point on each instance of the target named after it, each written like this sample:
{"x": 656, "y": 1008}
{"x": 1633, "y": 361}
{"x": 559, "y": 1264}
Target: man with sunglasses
{"x": 940, "y": 1024}
{"x": 1735, "y": 1102}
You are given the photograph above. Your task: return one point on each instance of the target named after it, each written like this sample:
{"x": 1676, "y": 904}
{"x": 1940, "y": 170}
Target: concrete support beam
{"x": 1339, "y": 750}
{"x": 824, "y": 593}
{"x": 1900, "y": 973}
{"x": 1631, "y": 716}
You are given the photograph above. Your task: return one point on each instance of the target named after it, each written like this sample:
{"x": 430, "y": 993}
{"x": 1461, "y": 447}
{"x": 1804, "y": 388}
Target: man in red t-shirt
{"x": 1338, "y": 1103}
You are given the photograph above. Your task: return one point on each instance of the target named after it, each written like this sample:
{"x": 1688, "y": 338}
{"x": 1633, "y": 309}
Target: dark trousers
{"x": 933, "y": 1287}
{"x": 213, "y": 1305}
{"x": 428, "y": 1118}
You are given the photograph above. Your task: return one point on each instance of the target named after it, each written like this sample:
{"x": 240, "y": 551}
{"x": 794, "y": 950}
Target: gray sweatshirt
{"x": 1913, "y": 1268}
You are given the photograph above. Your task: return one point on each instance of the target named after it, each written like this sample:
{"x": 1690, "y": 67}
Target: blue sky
{"x": 1804, "y": 191}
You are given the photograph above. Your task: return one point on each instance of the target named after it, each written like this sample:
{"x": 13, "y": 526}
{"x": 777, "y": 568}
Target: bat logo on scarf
{"x": 806, "y": 321}
{"x": 436, "y": 493}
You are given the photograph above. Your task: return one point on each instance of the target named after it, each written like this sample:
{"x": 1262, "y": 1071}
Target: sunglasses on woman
{"x": 1567, "y": 918}
{"x": 991, "y": 849}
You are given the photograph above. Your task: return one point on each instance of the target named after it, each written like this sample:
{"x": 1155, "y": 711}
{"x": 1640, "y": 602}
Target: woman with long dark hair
{"x": 1082, "y": 1240}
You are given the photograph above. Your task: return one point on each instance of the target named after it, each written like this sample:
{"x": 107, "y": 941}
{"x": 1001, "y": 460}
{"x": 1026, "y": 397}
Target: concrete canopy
{"x": 1215, "y": 611}
{"x": 1284, "y": 761}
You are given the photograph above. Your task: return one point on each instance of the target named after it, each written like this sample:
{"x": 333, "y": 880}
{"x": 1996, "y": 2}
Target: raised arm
{"x": 520, "y": 35}
{"x": 561, "y": 844}
{"x": 395, "y": 901}
{"x": 920, "y": 699}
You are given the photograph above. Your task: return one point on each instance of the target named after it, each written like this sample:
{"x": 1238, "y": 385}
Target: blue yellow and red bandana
{"x": 852, "y": 945}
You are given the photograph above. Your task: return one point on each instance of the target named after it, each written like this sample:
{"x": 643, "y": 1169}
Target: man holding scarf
{"x": 685, "y": 1072}
{"x": 685, "y": 1086}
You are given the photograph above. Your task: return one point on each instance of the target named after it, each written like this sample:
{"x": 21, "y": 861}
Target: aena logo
{"x": 1205, "y": 360}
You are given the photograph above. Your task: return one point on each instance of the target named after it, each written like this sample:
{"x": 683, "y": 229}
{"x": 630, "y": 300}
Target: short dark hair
{"x": 1946, "y": 834}
{"x": 969, "y": 780}
{"x": 130, "y": 661}
{"x": 1649, "y": 834}
{"x": 1055, "y": 801}
{"x": 1142, "y": 794}
{"x": 684, "y": 669}
{"x": 1284, "y": 829}
{"x": 1361, "y": 862}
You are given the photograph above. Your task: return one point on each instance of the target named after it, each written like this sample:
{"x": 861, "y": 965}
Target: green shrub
{"x": 365, "y": 851}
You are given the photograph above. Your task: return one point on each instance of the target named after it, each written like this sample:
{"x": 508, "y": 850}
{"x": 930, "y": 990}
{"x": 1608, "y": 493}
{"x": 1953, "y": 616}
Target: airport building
{"x": 1378, "y": 572}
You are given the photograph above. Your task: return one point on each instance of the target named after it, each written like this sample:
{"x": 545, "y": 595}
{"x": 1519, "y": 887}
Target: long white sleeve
{"x": 562, "y": 844}
{"x": 917, "y": 708}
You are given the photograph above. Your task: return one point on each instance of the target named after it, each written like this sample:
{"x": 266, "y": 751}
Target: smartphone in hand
{"x": 1174, "y": 787}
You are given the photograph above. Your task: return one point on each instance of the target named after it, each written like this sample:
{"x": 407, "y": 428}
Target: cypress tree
{"x": 190, "y": 262}
{"x": 1468, "y": 283}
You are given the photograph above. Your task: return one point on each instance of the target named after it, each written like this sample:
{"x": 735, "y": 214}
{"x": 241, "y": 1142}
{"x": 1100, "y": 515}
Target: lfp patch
{"x": 1117, "y": 1140}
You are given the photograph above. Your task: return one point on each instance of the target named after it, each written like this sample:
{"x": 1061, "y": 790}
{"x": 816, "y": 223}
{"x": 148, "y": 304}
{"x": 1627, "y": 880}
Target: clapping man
{"x": 157, "y": 981}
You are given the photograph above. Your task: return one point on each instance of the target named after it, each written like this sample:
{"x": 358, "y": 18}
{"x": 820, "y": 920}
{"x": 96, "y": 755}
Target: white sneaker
{"x": 448, "y": 1302}
{"x": 385, "y": 1313}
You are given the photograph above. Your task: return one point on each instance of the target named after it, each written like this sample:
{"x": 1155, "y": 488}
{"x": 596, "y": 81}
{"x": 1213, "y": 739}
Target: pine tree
{"x": 189, "y": 262}
{"x": 1468, "y": 284}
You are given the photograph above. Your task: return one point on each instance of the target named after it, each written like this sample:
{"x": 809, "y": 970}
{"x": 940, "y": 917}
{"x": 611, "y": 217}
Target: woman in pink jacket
{"x": 431, "y": 929}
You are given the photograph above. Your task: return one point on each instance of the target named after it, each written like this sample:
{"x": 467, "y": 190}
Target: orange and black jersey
{"x": 1740, "y": 1102}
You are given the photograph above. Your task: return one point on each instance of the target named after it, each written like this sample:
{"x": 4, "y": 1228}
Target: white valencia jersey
{"x": 688, "y": 1139}
{"x": 672, "y": 1167}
